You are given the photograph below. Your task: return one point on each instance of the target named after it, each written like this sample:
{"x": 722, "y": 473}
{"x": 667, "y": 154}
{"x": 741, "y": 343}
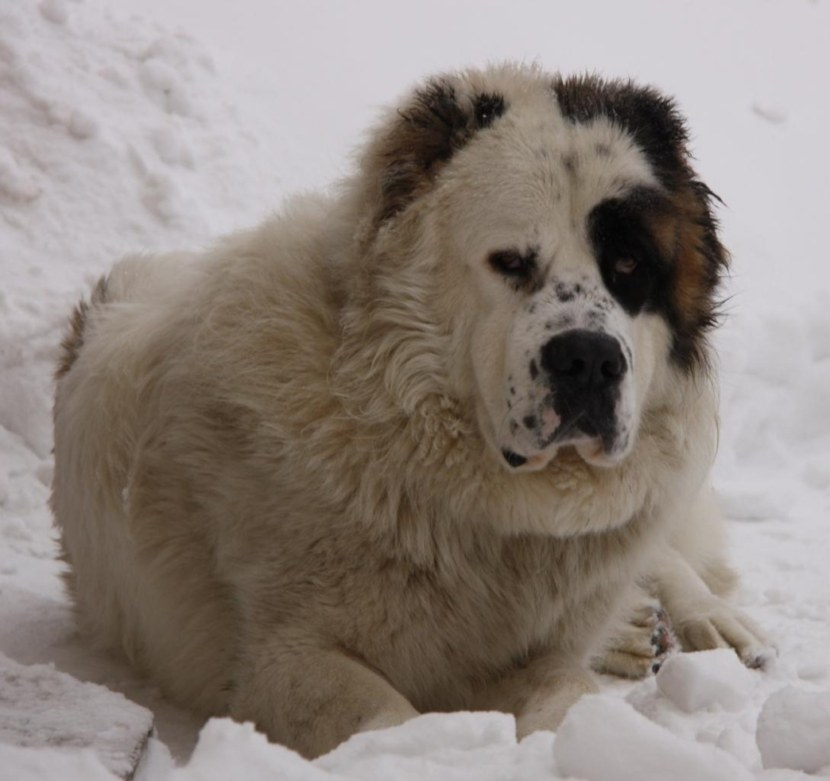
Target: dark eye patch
{"x": 630, "y": 262}
{"x": 519, "y": 268}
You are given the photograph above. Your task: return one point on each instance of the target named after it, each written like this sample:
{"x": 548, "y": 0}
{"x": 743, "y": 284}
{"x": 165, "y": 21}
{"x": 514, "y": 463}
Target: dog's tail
{"x": 74, "y": 339}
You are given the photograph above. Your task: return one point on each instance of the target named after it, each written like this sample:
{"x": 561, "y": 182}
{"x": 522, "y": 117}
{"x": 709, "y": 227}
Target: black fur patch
{"x": 618, "y": 232}
{"x": 678, "y": 279}
{"x": 520, "y": 269}
{"x": 488, "y": 107}
{"x": 651, "y": 118}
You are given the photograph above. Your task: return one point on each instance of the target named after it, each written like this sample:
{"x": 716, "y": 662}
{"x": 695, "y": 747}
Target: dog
{"x": 439, "y": 440}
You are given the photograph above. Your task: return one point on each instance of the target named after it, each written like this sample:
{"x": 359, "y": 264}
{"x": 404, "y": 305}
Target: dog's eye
{"x": 512, "y": 263}
{"x": 625, "y": 266}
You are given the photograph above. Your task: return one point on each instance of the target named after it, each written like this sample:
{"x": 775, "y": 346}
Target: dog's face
{"x": 581, "y": 251}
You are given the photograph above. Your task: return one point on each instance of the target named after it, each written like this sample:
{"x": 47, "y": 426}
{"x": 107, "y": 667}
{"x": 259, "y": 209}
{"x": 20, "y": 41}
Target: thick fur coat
{"x": 322, "y": 477}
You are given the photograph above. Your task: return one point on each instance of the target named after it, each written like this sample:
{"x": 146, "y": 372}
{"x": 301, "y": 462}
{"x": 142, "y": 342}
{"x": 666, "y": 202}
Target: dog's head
{"x": 576, "y": 250}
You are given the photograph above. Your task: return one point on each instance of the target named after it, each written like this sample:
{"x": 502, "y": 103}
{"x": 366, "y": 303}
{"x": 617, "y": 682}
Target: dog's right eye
{"x": 512, "y": 263}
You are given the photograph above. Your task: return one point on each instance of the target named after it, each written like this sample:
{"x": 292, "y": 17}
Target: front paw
{"x": 718, "y": 624}
{"x": 641, "y": 646}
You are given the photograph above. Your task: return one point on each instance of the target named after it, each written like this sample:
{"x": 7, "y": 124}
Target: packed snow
{"x": 40, "y": 706}
{"x": 119, "y": 132}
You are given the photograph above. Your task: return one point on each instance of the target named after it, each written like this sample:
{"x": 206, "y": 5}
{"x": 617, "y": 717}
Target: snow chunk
{"x": 35, "y": 764}
{"x": 603, "y": 737}
{"x": 693, "y": 681}
{"x": 794, "y": 730}
{"x": 41, "y": 707}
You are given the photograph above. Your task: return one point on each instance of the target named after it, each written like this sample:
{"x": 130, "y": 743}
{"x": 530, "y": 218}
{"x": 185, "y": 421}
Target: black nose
{"x": 583, "y": 360}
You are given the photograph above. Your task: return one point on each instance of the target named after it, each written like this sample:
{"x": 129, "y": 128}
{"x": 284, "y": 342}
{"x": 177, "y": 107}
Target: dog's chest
{"x": 443, "y": 631}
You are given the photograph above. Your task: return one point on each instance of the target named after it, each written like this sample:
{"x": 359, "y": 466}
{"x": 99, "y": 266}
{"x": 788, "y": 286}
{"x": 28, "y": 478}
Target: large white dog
{"x": 420, "y": 445}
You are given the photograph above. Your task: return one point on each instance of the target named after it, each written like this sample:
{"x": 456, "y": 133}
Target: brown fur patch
{"x": 436, "y": 123}
{"x": 74, "y": 339}
{"x": 687, "y": 235}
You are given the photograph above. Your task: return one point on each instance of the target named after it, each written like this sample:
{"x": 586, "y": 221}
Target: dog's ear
{"x": 423, "y": 135}
{"x": 649, "y": 116}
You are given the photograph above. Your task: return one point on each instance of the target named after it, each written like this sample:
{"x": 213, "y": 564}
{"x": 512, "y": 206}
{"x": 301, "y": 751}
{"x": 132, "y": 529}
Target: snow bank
{"x": 794, "y": 730}
{"x": 603, "y": 738}
{"x": 115, "y": 135}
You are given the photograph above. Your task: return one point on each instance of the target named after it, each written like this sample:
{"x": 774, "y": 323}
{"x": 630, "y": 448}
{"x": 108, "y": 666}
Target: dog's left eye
{"x": 625, "y": 266}
{"x": 512, "y": 263}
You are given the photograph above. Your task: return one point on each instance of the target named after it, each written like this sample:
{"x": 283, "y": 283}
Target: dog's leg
{"x": 312, "y": 699}
{"x": 538, "y": 694}
{"x": 703, "y": 620}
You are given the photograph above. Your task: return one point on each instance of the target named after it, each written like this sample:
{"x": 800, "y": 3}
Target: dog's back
{"x": 140, "y": 407}
{"x": 105, "y": 376}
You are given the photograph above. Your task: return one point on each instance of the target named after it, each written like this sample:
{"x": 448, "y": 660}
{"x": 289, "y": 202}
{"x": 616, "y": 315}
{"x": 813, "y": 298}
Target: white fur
{"x": 278, "y": 470}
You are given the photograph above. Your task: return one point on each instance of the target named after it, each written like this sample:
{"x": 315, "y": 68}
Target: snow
{"x": 705, "y": 678}
{"x": 18, "y": 763}
{"x": 119, "y": 132}
{"x": 794, "y": 730}
{"x": 633, "y": 748}
{"x": 41, "y": 707}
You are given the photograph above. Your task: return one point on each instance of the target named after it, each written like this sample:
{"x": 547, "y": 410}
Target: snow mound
{"x": 456, "y": 747}
{"x": 794, "y": 730}
{"x": 604, "y": 738}
{"x": 115, "y": 136}
{"x": 693, "y": 681}
{"x": 475, "y": 746}
{"x": 41, "y": 707}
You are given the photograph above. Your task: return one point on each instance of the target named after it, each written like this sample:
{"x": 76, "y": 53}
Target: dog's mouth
{"x": 602, "y": 446}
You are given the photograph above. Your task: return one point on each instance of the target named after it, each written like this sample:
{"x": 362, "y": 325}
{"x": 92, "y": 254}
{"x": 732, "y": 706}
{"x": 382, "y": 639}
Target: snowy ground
{"x": 117, "y": 133}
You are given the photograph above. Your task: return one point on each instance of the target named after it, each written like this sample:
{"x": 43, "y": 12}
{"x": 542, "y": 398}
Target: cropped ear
{"x": 438, "y": 119}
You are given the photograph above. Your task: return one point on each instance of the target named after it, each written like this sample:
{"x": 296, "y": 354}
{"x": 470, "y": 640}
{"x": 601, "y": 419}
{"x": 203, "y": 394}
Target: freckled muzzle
{"x": 585, "y": 370}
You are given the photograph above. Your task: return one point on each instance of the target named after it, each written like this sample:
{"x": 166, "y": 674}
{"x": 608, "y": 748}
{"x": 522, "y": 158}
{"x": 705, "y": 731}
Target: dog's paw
{"x": 720, "y": 625}
{"x": 641, "y": 646}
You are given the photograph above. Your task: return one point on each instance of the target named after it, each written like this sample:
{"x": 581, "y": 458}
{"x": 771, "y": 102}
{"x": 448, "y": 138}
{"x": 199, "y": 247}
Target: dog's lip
{"x": 596, "y": 452}
{"x": 592, "y": 450}
{"x": 533, "y": 463}
{"x": 513, "y": 458}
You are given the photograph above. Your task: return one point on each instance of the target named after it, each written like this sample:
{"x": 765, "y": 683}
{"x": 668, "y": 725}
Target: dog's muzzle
{"x": 585, "y": 370}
